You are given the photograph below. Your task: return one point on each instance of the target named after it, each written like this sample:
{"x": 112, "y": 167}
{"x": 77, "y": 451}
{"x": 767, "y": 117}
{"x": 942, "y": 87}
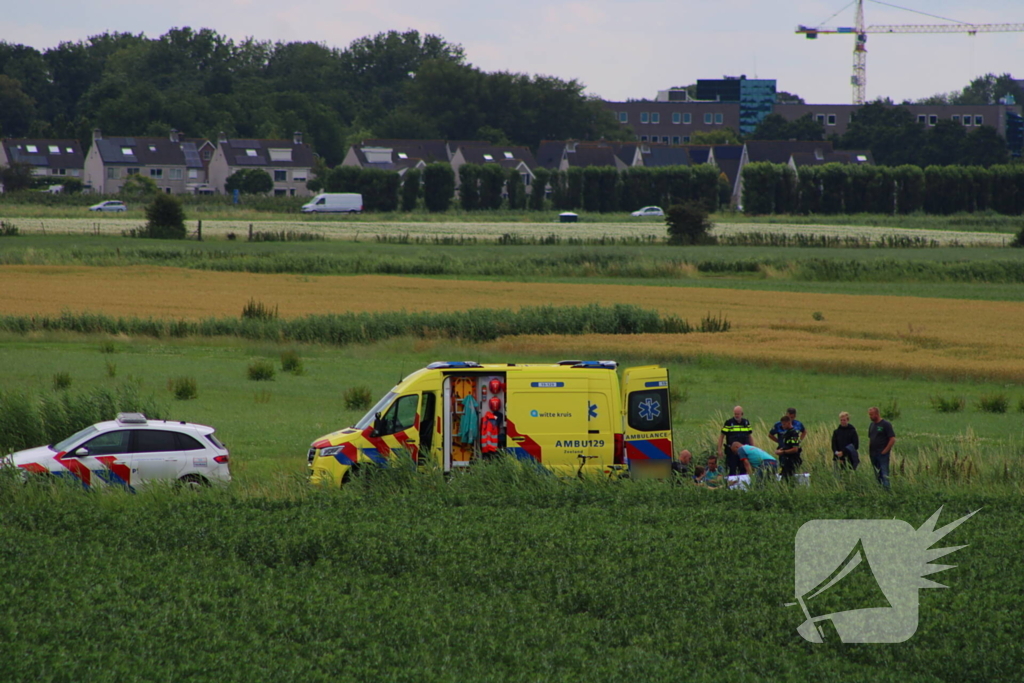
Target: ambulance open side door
{"x": 647, "y": 421}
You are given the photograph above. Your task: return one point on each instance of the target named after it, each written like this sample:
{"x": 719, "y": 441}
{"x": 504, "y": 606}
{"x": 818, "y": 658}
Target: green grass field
{"x": 502, "y": 573}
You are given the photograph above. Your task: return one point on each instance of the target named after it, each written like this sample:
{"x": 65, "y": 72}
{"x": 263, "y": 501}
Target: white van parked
{"x": 328, "y": 202}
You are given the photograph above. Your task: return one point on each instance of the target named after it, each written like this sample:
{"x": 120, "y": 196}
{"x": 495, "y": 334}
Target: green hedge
{"x": 847, "y": 189}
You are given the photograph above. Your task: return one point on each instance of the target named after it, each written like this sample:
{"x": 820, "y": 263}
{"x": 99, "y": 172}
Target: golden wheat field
{"x": 945, "y": 337}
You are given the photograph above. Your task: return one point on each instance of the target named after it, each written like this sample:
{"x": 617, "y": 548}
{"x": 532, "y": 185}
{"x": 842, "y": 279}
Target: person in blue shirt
{"x": 755, "y": 461}
{"x": 778, "y": 430}
{"x": 712, "y": 478}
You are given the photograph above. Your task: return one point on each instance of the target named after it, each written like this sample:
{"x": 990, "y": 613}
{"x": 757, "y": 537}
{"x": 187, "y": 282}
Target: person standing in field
{"x": 789, "y": 450}
{"x": 881, "y": 438}
{"x": 845, "y": 444}
{"x": 736, "y": 430}
{"x": 777, "y": 430}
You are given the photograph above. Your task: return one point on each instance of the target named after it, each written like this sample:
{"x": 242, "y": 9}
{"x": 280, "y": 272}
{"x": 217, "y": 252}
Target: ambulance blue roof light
{"x": 442, "y": 364}
{"x": 606, "y": 364}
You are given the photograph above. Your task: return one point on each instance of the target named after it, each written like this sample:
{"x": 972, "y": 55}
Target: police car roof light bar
{"x": 131, "y": 418}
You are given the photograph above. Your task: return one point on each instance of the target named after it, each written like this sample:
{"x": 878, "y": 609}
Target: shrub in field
{"x": 688, "y": 224}
{"x": 890, "y": 410}
{"x": 165, "y": 218}
{"x": 540, "y": 182}
{"x": 818, "y": 315}
{"x": 952, "y": 404}
{"x": 993, "y": 403}
{"x": 260, "y": 371}
{"x": 469, "y": 187}
{"x": 108, "y": 347}
{"x": 183, "y": 388}
{"x": 357, "y": 398}
{"x": 284, "y": 236}
{"x": 27, "y": 420}
{"x": 290, "y": 362}
{"x": 257, "y": 310}
{"x": 1020, "y": 405}
{"x": 20, "y": 424}
{"x": 8, "y": 229}
{"x": 1018, "y": 241}
{"x": 111, "y": 369}
{"x": 710, "y": 323}
{"x": 61, "y": 380}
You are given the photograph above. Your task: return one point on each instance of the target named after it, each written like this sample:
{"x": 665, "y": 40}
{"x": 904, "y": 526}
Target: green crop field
{"x": 505, "y": 573}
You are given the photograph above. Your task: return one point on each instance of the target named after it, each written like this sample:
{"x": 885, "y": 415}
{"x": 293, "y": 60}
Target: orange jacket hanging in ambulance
{"x": 489, "y": 433}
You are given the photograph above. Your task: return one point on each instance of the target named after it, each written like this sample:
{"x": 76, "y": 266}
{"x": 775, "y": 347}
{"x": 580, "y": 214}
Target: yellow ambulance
{"x": 570, "y": 417}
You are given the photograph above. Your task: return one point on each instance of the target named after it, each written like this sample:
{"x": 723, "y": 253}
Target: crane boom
{"x": 859, "y": 80}
{"x": 944, "y": 28}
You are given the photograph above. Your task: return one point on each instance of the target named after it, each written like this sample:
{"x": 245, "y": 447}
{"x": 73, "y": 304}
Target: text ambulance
{"x": 570, "y": 417}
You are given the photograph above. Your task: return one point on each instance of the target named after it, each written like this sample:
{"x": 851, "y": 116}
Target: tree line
{"x": 490, "y": 186}
{"x": 843, "y": 188}
{"x": 391, "y": 85}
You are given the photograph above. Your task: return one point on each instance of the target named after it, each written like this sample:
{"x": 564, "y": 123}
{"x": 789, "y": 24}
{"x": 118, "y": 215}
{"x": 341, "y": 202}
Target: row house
{"x": 288, "y": 162}
{"x": 54, "y": 160}
{"x": 175, "y": 164}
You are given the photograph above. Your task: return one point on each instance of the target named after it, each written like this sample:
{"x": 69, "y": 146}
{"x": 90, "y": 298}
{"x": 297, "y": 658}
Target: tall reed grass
{"x": 352, "y": 328}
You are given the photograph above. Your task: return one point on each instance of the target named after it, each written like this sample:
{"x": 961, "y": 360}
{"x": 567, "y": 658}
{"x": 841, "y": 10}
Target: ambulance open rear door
{"x": 647, "y": 421}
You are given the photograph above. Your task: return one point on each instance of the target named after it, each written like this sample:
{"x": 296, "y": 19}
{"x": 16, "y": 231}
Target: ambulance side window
{"x": 648, "y": 410}
{"x": 401, "y": 415}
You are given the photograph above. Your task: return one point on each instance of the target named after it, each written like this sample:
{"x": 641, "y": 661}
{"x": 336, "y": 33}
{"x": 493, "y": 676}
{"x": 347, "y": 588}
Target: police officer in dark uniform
{"x": 789, "y": 450}
{"x": 736, "y": 428}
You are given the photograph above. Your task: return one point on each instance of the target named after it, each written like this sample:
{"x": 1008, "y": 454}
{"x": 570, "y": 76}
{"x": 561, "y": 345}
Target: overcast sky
{"x": 619, "y": 48}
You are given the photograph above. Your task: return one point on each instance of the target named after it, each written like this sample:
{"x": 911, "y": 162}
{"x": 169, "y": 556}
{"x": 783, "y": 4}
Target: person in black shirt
{"x": 881, "y": 438}
{"x": 845, "y": 444}
{"x": 789, "y": 450}
{"x": 736, "y": 429}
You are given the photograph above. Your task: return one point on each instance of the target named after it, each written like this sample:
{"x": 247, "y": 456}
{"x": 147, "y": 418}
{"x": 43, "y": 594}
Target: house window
{"x": 280, "y": 193}
{"x": 967, "y": 119}
{"x": 488, "y": 157}
{"x": 152, "y": 148}
{"x": 643, "y": 138}
{"x": 76, "y": 172}
{"x": 131, "y": 171}
{"x": 831, "y": 119}
{"x": 156, "y": 173}
{"x": 921, "y": 118}
{"x": 664, "y": 138}
{"x": 687, "y": 118}
{"x": 175, "y": 174}
{"x": 508, "y": 155}
{"x": 127, "y": 151}
{"x": 31, "y": 149}
{"x": 644, "y": 117}
{"x": 675, "y": 139}
{"x": 932, "y": 120}
{"x": 821, "y": 118}
{"x": 280, "y": 176}
{"x": 299, "y": 175}
{"x": 979, "y": 120}
{"x": 956, "y": 118}
{"x": 719, "y": 118}
{"x": 207, "y": 154}
{"x": 623, "y": 117}
{"x": 707, "y": 118}
{"x": 193, "y": 174}
{"x": 686, "y": 139}
{"x": 250, "y": 152}
{"x": 676, "y": 117}
{"x": 655, "y": 117}
{"x": 526, "y": 179}
{"x": 58, "y": 171}
{"x": 54, "y": 149}
{"x": 167, "y": 190}
{"x": 69, "y": 150}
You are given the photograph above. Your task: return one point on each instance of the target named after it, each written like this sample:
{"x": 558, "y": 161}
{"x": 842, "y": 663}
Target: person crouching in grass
{"x": 757, "y": 463}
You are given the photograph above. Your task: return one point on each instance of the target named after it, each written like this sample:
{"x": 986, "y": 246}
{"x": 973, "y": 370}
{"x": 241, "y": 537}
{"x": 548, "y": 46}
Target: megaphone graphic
{"x": 851, "y": 586}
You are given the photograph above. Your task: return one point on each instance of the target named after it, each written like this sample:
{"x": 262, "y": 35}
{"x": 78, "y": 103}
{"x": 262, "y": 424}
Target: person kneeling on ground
{"x": 789, "y": 450}
{"x": 845, "y": 444}
{"x": 755, "y": 461}
{"x": 712, "y": 475}
{"x": 683, "y": 466}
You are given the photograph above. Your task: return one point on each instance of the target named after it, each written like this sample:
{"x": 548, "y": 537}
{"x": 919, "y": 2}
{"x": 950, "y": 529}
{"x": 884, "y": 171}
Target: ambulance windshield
{"x": 367, "y": 420}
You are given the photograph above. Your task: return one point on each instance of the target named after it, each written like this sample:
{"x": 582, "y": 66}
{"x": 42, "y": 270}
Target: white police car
{"x": 130, "y": 452}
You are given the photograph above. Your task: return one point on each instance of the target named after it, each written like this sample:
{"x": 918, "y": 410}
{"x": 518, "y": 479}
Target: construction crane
{"x": 859, "y": 80}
